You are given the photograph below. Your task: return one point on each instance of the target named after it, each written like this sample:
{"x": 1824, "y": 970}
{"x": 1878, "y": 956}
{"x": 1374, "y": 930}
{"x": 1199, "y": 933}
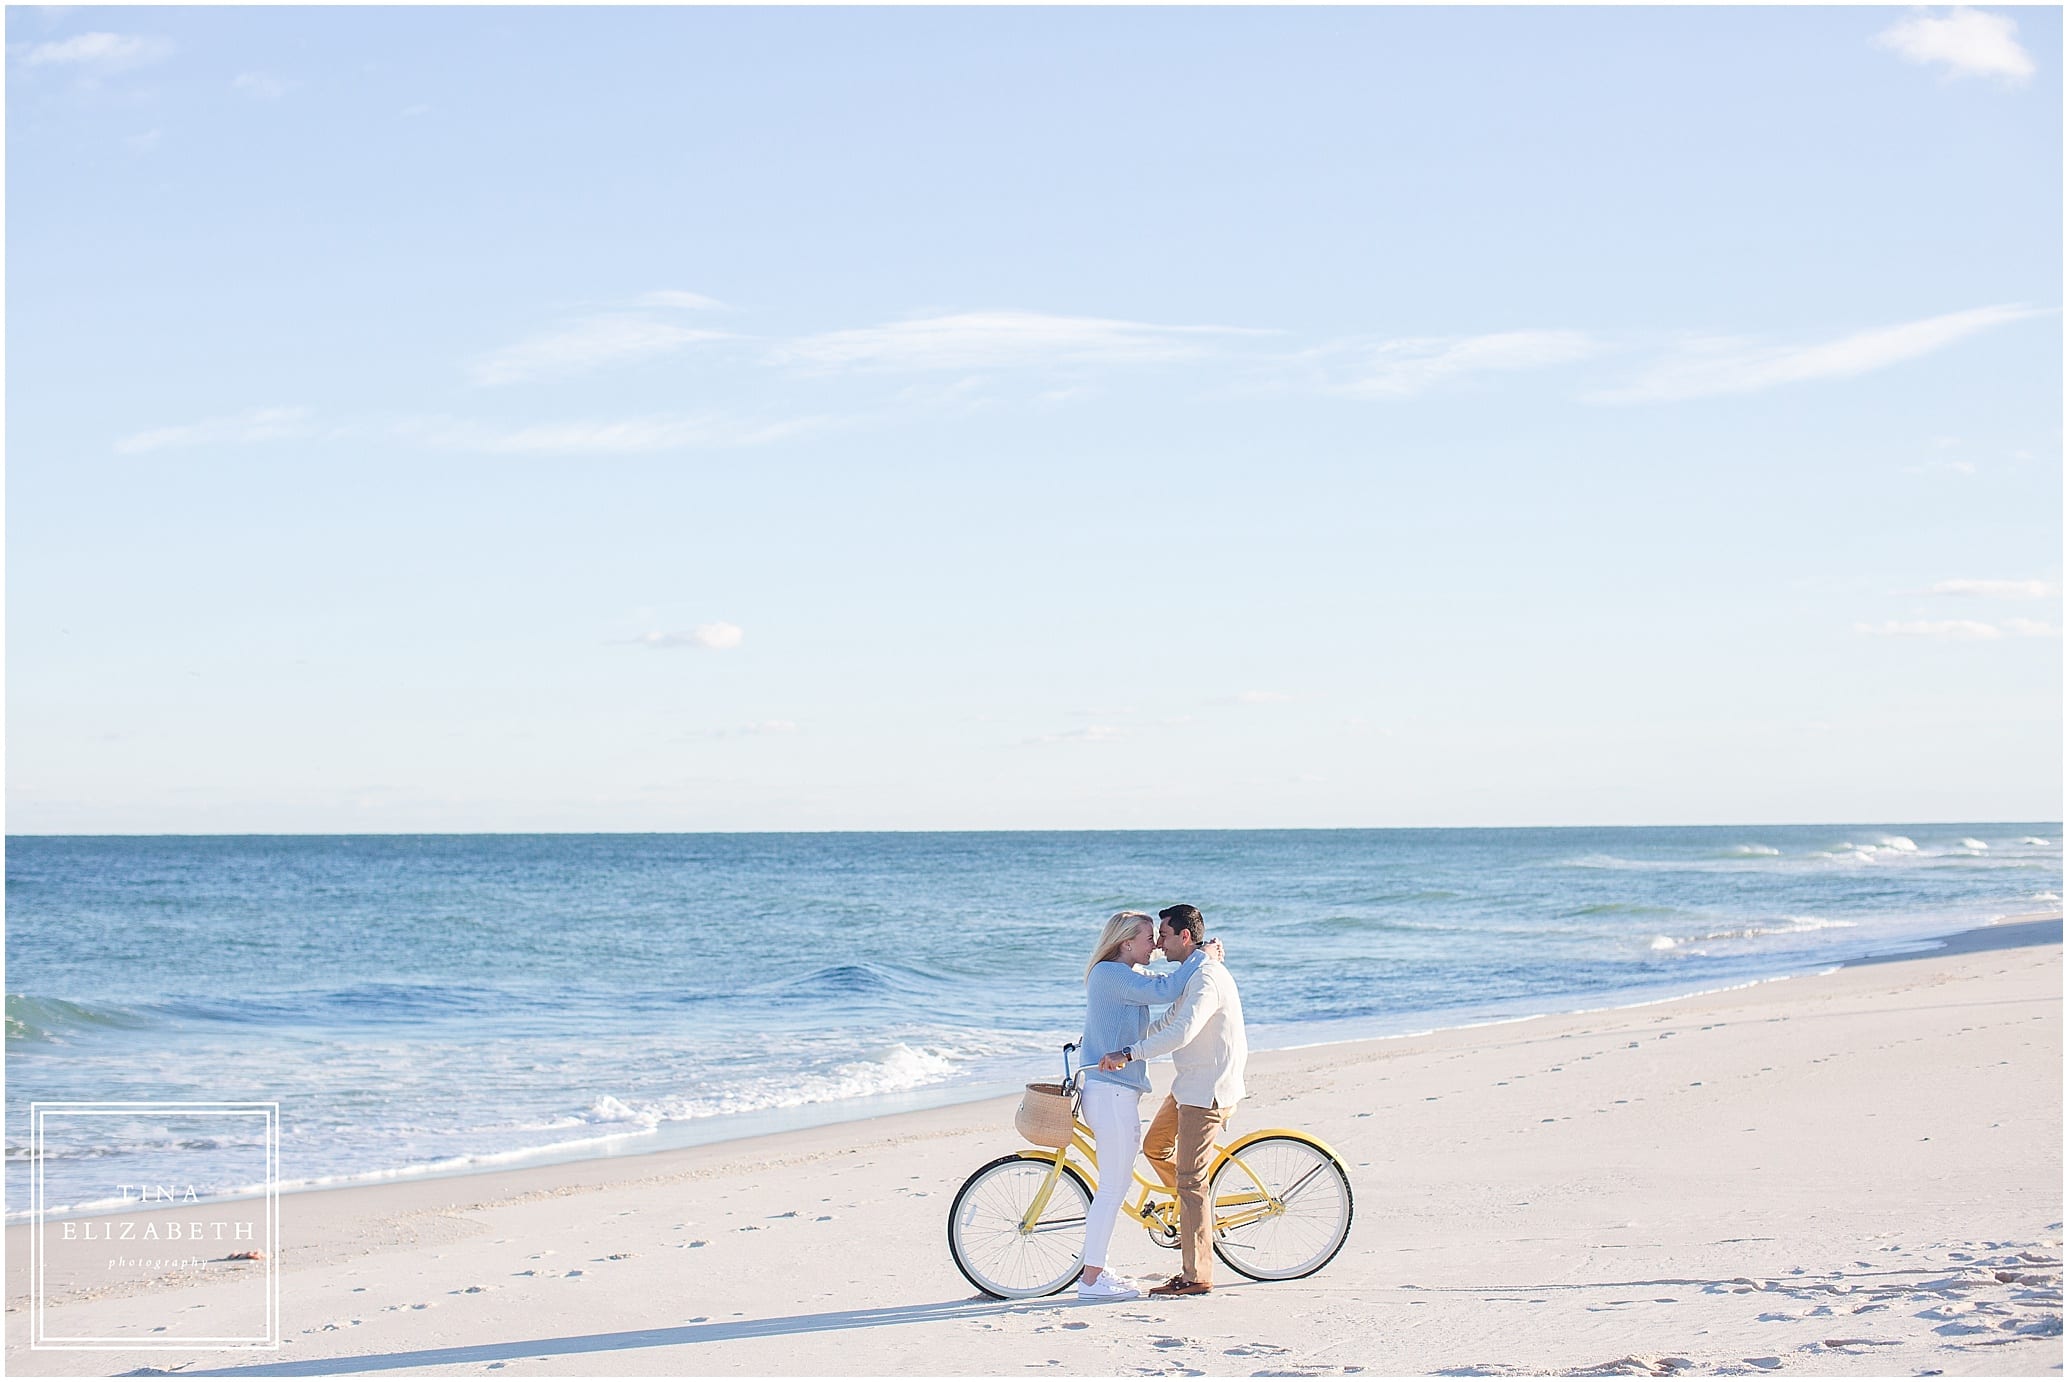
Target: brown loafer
{"x": 1178, "y": 1286}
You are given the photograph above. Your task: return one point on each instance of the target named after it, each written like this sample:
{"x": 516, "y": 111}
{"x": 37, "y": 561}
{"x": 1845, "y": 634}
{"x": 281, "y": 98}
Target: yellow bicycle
{"x": 1281, "y": 1207}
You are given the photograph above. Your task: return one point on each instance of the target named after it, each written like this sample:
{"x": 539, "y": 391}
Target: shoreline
{"x": 1856, "y": 1171}
{"x": 2010, "y": 930}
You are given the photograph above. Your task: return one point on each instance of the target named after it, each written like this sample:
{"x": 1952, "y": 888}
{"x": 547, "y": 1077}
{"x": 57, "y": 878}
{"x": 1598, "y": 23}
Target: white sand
{"x": 1852, "y": 1173}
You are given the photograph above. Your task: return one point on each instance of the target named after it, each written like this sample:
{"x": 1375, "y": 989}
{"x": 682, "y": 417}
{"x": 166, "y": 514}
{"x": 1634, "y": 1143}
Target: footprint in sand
{"x": 1166, "y": 1343}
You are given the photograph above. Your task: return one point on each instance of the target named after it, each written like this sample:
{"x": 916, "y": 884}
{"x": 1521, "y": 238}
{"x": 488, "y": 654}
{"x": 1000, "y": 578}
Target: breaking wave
{"x": 1794, "y": 926}
{"x": 891, "y": 1071}
{"x": 55, "y": 1021}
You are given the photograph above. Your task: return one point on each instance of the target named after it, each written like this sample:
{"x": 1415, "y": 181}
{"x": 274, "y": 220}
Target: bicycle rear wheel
{"x": 1282, "y": 1208}
{"x": 989, "y": 1244}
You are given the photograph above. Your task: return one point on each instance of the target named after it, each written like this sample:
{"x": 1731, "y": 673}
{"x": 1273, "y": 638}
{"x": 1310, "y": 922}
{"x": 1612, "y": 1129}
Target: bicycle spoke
{"x": 1299, "y": 1185}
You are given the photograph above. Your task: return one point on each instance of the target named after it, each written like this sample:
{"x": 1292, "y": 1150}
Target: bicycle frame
{"x": 1231, "y": 1212}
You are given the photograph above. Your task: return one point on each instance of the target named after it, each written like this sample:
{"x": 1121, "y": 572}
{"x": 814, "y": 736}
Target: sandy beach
{"x": 1856, "y": 1172}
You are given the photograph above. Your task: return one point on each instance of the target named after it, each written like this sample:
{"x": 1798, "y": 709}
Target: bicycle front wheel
{"x": 1001, "y": 1253}
{"x": 1281, "y": 1208}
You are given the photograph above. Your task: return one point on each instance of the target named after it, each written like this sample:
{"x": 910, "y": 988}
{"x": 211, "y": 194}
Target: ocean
{"x": 422, "y": 1004}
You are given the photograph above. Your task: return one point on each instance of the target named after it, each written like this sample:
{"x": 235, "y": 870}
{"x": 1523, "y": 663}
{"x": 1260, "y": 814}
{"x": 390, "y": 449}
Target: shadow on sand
{"x": 713, "y": 1332}
{"x": 2007, "y": 936}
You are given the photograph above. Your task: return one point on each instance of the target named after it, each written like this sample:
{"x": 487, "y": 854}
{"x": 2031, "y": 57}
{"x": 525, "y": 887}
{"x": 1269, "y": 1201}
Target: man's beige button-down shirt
{"x": 1202, "y": 1034}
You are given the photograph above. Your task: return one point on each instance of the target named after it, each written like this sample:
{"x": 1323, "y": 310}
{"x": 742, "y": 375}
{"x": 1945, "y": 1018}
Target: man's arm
{"x": 1201, "y": 1001}
{"x": 1126, "y": 985}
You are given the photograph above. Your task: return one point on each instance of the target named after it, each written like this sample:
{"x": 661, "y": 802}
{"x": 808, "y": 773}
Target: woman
{"x": 1116, "y": 1015}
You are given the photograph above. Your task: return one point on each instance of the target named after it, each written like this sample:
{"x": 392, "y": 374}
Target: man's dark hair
{"x": 1185, "y": 917}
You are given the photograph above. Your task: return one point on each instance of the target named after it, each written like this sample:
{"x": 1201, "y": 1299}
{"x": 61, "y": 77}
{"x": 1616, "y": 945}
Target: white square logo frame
{"x": 59, "y": 1113}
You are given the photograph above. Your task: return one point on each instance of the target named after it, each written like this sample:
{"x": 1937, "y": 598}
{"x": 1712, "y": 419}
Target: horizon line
{"x": 1039, "y": 830}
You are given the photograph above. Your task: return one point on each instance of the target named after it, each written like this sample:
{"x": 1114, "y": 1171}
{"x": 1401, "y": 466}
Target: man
{"x": 1202, "y": 1033}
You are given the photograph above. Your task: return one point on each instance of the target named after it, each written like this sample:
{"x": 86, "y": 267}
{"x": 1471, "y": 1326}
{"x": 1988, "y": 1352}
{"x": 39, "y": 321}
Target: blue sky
{"x": 654, "y": 419}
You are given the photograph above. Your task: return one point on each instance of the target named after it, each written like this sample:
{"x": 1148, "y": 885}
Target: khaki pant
{"x": 1180, "y": 1144}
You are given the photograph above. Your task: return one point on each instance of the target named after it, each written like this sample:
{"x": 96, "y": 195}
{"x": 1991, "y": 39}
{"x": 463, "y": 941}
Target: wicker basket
{"x": 1046, "y": 1115}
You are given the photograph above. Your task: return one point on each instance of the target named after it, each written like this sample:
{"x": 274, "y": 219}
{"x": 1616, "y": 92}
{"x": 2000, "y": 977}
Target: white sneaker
{"x": 1107, "y": 1287}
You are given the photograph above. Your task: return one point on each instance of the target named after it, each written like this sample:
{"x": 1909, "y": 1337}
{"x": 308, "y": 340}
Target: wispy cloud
{"x": 260, "y": 425}
{"x": 1090, "y": 734}
{"x": 673, "y": 297}
{"x": 1994, "y": 590}
{"x": 1261, "y": 698}
{"x": 755, "y": 730}
{"x": 612, "y": 339}
{"x": 1958, "y": 629}
{"x": 100, "y": 52}
{"x": 619, "y": 437}
{"x": 262, "y": 86}
{"x": 1950, "y": 467}
{"x": 1702, "y": 368}
{"x": 1965, "y": 42}
{"x": 992, "y": 340}
{"x": 1413, "y": 365}
{"x": 718, "y": 637}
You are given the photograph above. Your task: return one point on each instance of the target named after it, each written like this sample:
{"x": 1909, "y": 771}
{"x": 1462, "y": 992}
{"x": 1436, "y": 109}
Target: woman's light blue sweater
{"x": 1116, "y": 1014}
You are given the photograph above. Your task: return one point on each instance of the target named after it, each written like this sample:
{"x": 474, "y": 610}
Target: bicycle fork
{"x": 1039, "y": 1205}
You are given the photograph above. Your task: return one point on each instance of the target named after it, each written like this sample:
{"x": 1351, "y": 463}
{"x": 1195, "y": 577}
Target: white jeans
{"x": 1115, "y": 1114}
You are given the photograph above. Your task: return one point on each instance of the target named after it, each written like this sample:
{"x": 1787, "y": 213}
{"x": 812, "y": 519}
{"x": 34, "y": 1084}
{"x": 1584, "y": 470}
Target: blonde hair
{"x": 1119, "y": 929}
